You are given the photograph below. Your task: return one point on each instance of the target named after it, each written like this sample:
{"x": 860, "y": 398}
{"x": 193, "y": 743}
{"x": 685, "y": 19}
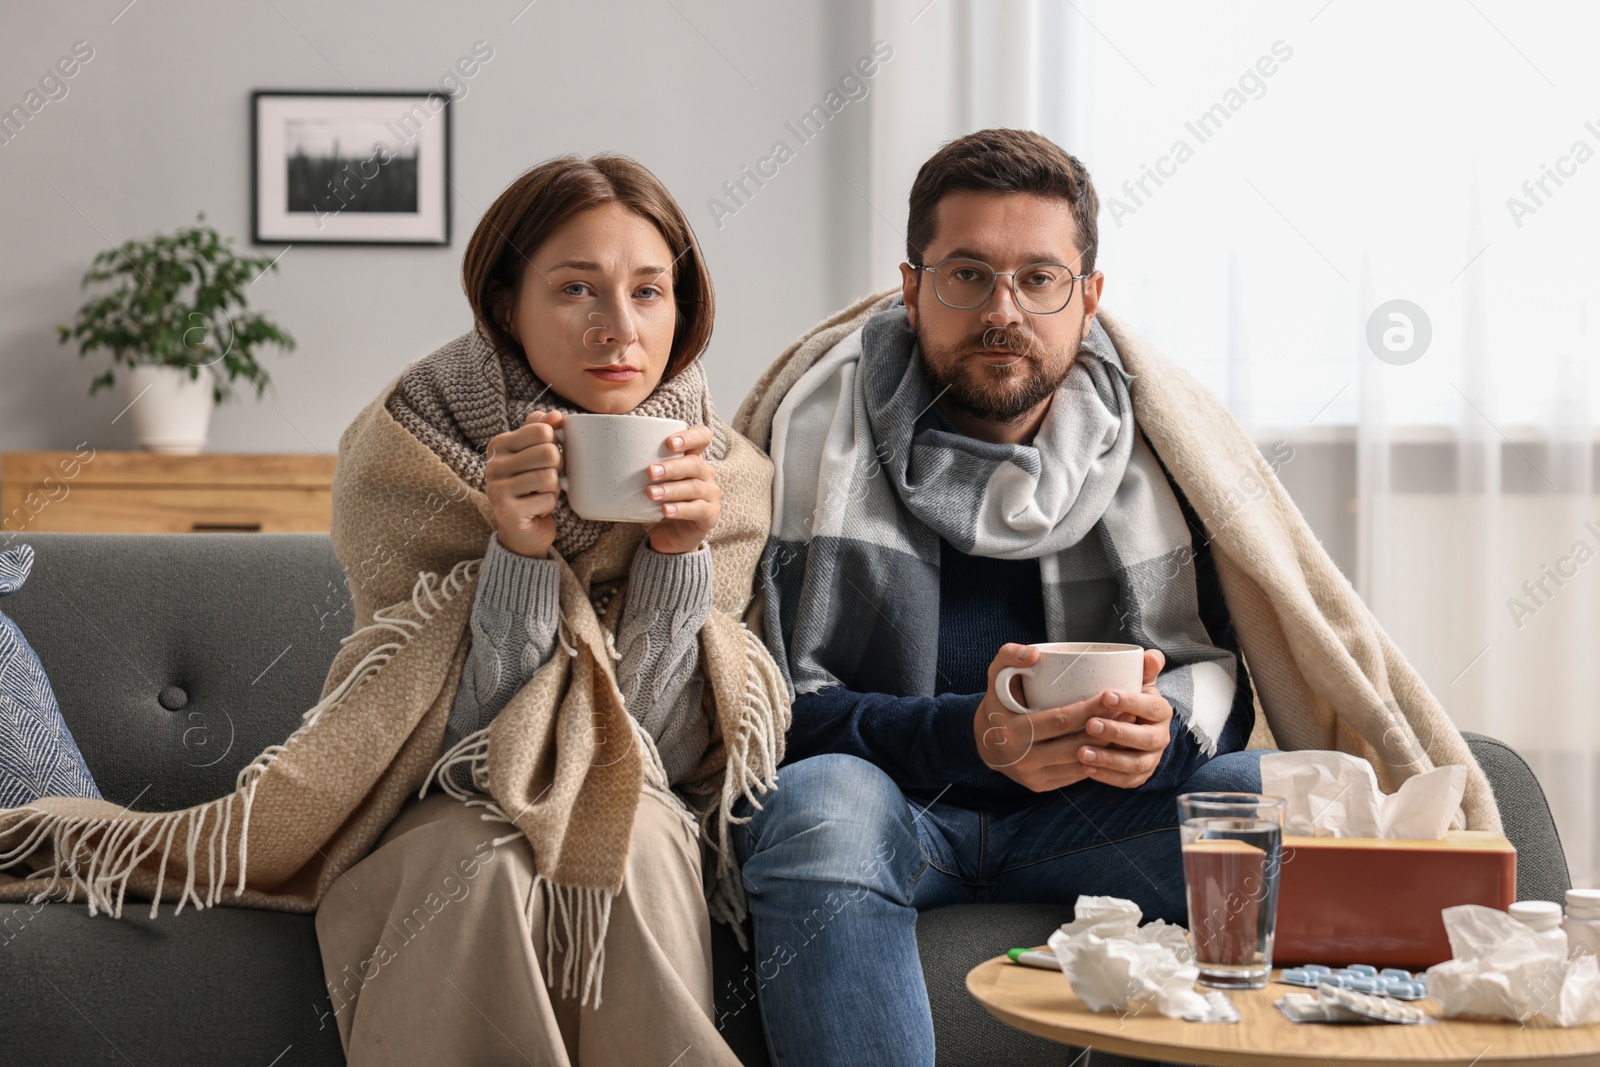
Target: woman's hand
{"x": 686, "y": 488}
{"x": 522, "y": 479}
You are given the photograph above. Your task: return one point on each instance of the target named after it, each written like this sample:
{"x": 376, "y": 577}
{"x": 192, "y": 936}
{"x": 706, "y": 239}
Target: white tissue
{"x": 1335, "y": 794}
{"x": 1579, "y": 1003}
{"x": 1506, "y": 969}
{"x": 1112, "y": 961}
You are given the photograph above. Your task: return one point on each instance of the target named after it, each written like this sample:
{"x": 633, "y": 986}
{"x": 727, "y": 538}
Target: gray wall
{"x": 155, "y": 127}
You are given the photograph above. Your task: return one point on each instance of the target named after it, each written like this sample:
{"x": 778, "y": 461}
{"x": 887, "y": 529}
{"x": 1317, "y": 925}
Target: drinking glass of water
{"x": 1232, "y": 845}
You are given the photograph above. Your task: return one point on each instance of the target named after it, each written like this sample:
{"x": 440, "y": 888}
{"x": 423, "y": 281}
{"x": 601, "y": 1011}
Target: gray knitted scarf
{"x": 465, "y": 392}
{"x": 868, "y": 483}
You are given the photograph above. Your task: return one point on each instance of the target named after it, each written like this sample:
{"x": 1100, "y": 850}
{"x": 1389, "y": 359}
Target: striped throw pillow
{"x": 38, "y": 757}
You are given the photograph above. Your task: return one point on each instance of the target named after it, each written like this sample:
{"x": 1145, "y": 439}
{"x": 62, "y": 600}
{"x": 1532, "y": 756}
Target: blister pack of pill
{"x": 1361, "y": 977}
{"x": 1218, "y": 1009}
{"x": 1334, "y": 1004}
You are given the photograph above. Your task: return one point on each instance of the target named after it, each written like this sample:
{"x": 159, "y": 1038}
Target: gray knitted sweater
{"x": 515, "y": 616}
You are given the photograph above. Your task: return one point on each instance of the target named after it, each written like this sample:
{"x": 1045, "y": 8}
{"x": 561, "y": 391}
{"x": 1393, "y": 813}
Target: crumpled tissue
{"x": 1112, "y": 961}
{"x": 1506, "y": 969}
{"x": 1335, "y": 794}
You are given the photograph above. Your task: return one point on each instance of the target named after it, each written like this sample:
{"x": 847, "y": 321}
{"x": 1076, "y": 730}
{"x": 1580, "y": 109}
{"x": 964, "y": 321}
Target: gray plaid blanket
{"x": 867, "y": 484}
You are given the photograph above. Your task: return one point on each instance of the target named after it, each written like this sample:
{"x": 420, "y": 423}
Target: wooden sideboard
{"x": 90, "y": 491}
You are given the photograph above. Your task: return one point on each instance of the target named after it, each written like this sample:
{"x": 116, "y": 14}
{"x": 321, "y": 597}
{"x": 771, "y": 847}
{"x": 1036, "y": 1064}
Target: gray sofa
{"x": 176, "y": 659}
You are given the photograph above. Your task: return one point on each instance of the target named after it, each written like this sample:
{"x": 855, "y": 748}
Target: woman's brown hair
{"x": 545, "y": 198}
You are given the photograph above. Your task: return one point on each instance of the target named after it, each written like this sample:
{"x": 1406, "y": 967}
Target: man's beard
{"x": 995, "y": 394}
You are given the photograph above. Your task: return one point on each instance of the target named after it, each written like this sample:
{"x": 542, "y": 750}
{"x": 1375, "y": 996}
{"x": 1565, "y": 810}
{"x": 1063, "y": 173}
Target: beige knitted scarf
{"x": 1326, "y": 674}
{"x": 469, "y": 390}
{"x": 562, "y": 764}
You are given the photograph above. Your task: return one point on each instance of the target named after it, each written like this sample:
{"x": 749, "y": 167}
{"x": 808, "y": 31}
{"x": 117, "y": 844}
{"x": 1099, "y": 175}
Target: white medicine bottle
{"x": 1543, "y": 916}
{"x": 1582, "y": 923}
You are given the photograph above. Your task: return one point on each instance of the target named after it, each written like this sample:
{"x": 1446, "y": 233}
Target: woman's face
{"x": 596, "y": 314}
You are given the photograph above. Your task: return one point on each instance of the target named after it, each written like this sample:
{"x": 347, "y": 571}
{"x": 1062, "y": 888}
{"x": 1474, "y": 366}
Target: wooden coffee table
{"x": 1042, "y": 1003}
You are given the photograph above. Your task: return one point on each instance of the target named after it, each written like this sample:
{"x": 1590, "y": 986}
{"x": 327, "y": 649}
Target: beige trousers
{"x": 430, "y": 959}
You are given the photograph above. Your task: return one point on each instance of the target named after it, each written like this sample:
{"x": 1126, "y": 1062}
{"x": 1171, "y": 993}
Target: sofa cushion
{"x": 224, "y": 985}
{"x": 178, "y": 658}
{"x": 38, "y": 757}
{"x": 1542, "y": 872}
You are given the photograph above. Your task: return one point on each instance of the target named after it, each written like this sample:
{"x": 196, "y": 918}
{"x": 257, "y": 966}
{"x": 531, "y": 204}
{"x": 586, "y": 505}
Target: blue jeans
{"x": 838, "y": 862}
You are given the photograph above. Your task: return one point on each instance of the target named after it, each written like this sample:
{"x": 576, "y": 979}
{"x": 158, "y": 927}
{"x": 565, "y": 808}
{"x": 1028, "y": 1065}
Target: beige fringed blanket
{"x": 1325, "y": 673}
{"x": 564, "y": 760}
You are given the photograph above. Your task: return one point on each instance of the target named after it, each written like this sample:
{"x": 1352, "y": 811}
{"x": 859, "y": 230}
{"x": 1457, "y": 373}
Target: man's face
{"x": 1000, "y": 362}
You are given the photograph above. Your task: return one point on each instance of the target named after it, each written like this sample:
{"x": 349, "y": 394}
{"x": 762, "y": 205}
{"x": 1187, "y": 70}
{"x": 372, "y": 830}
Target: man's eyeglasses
{"x": 967, "y": 284}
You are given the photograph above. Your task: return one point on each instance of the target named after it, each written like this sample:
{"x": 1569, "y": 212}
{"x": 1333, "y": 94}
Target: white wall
{"x": 155, "y": 127}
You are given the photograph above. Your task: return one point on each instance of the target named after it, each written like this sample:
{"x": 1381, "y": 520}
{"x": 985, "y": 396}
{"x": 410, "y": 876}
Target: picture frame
{"x": 344, "y": 167}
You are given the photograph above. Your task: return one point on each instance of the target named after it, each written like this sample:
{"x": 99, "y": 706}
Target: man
{"x": 961, "y": 479}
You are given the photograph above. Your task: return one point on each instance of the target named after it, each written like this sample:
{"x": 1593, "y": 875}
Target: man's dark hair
{"x": 1003, "y": 161}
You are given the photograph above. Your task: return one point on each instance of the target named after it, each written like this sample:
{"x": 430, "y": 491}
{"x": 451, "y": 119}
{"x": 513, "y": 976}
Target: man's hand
{"x": 1048, "y": 750}
{"x": 1130, "y": 743}
{"x": 521, "y": 478}
{"x": 686, "y": 488}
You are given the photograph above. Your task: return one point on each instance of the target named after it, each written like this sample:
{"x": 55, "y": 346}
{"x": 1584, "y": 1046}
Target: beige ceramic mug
{"x": 1070, "y": 671}
{"x": 607, "y": 461}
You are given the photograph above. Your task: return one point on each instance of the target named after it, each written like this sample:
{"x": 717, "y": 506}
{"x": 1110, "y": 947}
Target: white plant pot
{"x": 171, "y": 412}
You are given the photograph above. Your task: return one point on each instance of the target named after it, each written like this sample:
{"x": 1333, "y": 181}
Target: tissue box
{"x": 1345, "y": 900}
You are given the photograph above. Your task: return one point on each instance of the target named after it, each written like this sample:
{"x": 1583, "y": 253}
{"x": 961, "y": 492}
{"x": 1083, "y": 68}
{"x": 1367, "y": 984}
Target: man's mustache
{"x": 1013, "y": 338}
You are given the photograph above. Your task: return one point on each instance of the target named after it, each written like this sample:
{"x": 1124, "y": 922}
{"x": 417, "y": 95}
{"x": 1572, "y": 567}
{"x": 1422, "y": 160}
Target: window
{"x": 1270, "y": 173}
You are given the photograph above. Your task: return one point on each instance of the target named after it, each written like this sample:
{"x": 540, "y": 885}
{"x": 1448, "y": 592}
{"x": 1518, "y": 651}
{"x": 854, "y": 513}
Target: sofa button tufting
{"x": 172, "y": 698}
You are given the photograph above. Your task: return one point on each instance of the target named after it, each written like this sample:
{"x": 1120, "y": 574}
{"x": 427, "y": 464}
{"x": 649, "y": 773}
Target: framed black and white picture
{"x": 350, "y": 168}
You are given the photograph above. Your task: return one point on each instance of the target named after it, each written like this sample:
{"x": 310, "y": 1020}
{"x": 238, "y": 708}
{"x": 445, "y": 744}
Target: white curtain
{"x": 1479, "y": 550}
{"x": 959, "y": 65}
{"x": 1329, "y": 170}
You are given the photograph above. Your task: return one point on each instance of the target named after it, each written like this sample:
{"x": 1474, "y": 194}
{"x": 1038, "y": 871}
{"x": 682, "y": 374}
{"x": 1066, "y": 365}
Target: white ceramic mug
{"x": 1070, "y": 671}
{"x": 607, "y": 464}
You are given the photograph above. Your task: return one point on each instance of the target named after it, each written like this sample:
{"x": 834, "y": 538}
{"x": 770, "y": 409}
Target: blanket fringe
{"x": 655, "y": 772}
{"x": 95, "y": 857}
{"x": 575, "y": 927}
{"x": 752, "y": 768}
{"x": 472, "y": 752}
{"x": 575, "y": 918}
{"x": 567, "y": 639}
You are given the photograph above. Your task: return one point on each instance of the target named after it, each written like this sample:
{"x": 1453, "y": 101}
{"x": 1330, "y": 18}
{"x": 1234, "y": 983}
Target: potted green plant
{"x": 178, "y": 318}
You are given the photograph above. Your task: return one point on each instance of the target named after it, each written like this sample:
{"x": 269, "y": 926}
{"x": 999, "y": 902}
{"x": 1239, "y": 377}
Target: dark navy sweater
{"x": 926, "y": 743}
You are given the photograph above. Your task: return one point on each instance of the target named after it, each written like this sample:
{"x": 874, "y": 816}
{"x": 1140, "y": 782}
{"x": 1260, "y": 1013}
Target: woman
{"x": 476, "y": 932}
